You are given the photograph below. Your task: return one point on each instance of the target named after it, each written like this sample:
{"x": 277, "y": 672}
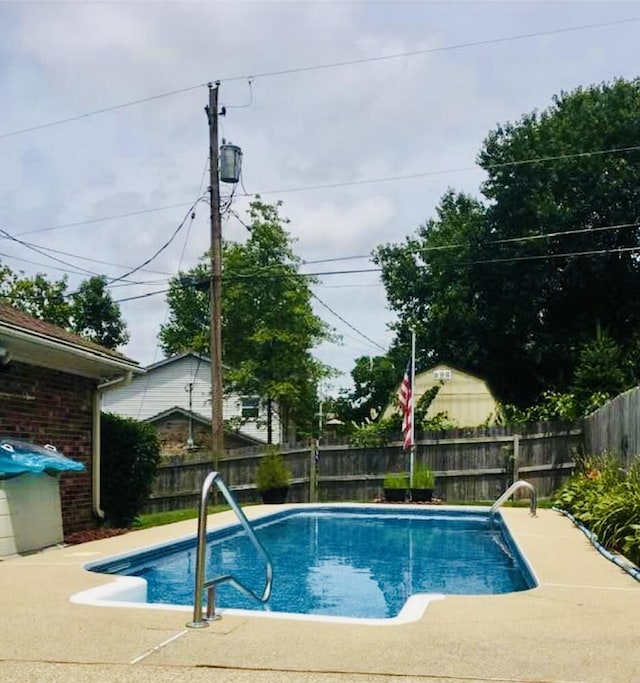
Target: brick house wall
{"x": 49, "y": 406}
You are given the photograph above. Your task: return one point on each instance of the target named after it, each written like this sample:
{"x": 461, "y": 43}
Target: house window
{"x": 250, "y": 407}
{"x": 442, "y": 374}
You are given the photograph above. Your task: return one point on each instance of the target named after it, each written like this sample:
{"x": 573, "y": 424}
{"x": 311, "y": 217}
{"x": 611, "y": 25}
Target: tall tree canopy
{"x": 374, "y": 380}
{"x": 89, "y": 311}
{"x": 268, "y": 325}
{"x": 512, "y": 288}
{"x": 95, "y": 316}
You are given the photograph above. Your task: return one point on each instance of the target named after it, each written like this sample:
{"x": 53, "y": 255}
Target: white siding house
{"x": 184, "y": 382}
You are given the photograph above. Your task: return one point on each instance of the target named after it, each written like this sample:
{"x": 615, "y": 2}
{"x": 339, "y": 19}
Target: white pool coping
{"x": 131, "y": 591}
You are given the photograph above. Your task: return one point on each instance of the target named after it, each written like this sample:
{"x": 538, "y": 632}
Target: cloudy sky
{"x": 106, "y": 190}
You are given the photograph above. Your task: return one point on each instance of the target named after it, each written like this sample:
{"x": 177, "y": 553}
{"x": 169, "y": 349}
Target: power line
{"x": 104, "y": 110}
{"x": 426, "y": 174}
{"x": 191, "y": 213}
{"x": 103, "y": 219}
{"x": 366, "y": 181}
{"x": 260, "y": 273}
{"x": 274, "y": 274}
{"x": 9, "y": 236}
{"x": 432, "y": 50}
{"x": 140, "y": 296}
{"x": 84, "y": 258}
{"x": 562, "y": 233}
{"x": 350, "y": 286}
{"x": 139, "y": 283}
{"x": 320, "y": 67}
{"x": 44, "y": 265}
{"x": 529, "y": 238}
{"x": 346, "y": 322}
{"x": 594, "y": 252}
{"x": 336, "y": 259}
{"x": 188, "y": 235}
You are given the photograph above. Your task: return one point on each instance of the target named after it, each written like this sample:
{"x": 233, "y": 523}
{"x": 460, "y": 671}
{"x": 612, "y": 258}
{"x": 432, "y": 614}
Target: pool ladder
{"x": 210, "y": 584}
{"x": 520, "y": 484}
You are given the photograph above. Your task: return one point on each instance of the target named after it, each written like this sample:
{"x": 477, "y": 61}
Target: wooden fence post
{"x": 314, "y": 456}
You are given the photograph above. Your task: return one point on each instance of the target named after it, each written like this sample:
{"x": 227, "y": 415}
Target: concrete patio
{"x": 582, "y": 623}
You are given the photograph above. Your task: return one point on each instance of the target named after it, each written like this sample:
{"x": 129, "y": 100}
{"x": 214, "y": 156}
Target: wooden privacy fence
{"x": 615, "y": 428}
{"x": 470, "y": 465}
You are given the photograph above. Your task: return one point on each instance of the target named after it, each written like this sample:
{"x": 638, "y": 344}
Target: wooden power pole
{"x": 215, "y": 350}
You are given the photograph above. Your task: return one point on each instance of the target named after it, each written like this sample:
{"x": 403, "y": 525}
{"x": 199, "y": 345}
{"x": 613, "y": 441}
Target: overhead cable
{"x": 156, "y": 253}
{"x": 320, "y": 67}
{"x": 346, "y": 322}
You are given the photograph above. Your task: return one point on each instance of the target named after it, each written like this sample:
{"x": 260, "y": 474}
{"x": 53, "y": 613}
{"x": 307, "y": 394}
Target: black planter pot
{"x": 275, "y": 496}
{"x": 421, "y": 495}
{"x": 395, "y": 495}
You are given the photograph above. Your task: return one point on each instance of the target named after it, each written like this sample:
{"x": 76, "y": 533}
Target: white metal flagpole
{"x": 412, "y": 460}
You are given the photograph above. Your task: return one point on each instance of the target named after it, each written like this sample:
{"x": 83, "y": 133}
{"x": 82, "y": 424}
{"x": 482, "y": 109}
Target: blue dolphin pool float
{"x": 21, "y": 457}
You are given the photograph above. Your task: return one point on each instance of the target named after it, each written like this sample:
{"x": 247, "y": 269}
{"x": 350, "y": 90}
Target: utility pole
{"x": 215, "y": 351}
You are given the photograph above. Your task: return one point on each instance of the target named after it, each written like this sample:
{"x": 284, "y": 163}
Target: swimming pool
{"x": 348, "y": 561}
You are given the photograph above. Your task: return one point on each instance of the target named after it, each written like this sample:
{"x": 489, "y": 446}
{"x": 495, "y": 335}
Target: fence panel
{"x": 615, "y": 428}
{"x": 470, "y": 465}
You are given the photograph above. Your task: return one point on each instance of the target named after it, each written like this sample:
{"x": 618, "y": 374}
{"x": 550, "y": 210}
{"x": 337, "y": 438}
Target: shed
{"x": 465, "y": 399}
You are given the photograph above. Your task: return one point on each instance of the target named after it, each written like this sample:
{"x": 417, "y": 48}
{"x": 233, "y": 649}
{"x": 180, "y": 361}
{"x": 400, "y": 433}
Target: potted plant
{"x": 395, "y": 487}
{"x": 422, "y": 485}
{"x": 273, "y": 478}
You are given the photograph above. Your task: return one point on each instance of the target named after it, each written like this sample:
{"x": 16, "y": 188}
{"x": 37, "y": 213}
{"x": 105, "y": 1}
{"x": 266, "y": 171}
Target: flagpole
{"x": 412, "y": 452}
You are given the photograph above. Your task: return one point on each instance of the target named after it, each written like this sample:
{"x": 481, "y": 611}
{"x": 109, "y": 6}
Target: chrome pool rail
{"x": 520, "y": 484}
{"x": 200, "y": 583}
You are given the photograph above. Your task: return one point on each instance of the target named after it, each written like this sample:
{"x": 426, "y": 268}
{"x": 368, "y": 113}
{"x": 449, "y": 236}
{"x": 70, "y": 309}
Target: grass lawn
{"x": 160, "y": 518}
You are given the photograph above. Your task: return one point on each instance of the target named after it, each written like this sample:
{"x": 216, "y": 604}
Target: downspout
{"x": 97, "y": 396}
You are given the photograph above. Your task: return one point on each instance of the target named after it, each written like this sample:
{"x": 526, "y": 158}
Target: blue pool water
{"x": 356, "y": 562}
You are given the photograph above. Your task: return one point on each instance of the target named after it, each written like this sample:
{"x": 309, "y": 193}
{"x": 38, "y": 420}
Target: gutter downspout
{"x": 96, "y": 453}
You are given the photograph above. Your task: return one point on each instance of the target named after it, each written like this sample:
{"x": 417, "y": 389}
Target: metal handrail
{"x": 520, "y": 484}
{"x": 200, "y": 583}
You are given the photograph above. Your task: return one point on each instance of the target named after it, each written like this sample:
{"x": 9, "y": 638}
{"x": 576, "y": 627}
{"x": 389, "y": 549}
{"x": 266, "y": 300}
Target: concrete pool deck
{"x": 582, "y": 623}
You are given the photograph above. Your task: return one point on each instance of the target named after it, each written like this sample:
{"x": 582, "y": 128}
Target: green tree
{"x": 268, "y": 325}
{"x": 89, "y": 311}
{"x": 512, "y": 289}
{"x": 374, "y": 379}
{"x": 430, "y": 285}
{"x": 188, "y": 325}
{"x": 547, "y": 305}
{"x": 37, "y": 296}
{"x": 95, "y": 316}
{"x": 600, "y": 370}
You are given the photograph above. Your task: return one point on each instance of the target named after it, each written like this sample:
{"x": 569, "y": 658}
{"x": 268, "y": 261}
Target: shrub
{"x": 423, "y": 477}
{"x": 272, "y": 472}
{"x": 607, "y": 501}
{"x": 376, "y": 434}
{"x": 395, "y": 481}
{"x": 130, "y": 454}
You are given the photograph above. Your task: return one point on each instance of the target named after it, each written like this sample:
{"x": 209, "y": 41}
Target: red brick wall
{"x": 47, "y": 406}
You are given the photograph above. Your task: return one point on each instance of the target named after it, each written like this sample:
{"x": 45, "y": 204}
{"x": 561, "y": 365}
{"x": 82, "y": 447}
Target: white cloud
{"x": 342, "y": 125}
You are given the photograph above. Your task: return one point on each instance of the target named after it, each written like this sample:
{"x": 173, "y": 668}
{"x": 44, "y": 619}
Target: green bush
{"x": 130, "y": 453}
{"x": 376, "y": 434}
{"x": 272, "y": 472}
{"x": 395, "y": 481}
{"x": 606, "y": 500}
{"x": 423, "y": 477}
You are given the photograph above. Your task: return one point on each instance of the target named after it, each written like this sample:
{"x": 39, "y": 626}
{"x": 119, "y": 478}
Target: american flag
{"x": 405, "y": 400}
